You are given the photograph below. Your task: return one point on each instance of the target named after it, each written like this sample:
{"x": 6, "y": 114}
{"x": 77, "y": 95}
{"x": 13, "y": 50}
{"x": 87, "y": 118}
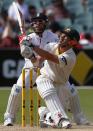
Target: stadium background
{"x": 11, "y": 61}
{"x": 77, "y": 14}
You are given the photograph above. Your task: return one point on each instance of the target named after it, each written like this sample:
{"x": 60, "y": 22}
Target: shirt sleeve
{"x": 64, "y": 59}
{"x": 49, "y": 47}
{"x": 55, "y": 38}
{"x": 32, "y": 38}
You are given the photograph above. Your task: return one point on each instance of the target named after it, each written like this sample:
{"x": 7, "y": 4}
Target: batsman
{"x": 53, "y": 83}
{"x": 40, "y": 38}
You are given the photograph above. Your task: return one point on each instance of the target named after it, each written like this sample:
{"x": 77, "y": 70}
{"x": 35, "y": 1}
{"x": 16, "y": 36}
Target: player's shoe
{"x": 47, "y": 124}
{"x": 64, "y": 123}
{"x": 45, "y": 118}
{"x": 47, "y": 121}
{"x": 8, "y": 122}
{"x": 43, "y": 111}
{"x": 81, "y": 120}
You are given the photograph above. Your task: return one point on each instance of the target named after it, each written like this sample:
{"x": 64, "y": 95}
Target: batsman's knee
{"x": 45, "y": 87}
{"x": 16, "y": 89}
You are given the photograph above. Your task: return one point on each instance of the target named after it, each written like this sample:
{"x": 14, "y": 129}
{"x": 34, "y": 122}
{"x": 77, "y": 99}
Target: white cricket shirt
{"x": 46, "y": 38}
{"x": 59, "y": 72}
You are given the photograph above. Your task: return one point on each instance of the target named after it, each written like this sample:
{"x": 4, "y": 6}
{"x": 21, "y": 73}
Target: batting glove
{"x": 26, "y": 51}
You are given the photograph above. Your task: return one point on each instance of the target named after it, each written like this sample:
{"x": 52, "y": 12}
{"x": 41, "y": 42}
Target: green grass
{"x": 86, "y": 97}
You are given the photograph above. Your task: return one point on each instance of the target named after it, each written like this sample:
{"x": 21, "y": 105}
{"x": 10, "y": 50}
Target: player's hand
{"x": 27, "y": 41}
{"x": 23, "y": 39}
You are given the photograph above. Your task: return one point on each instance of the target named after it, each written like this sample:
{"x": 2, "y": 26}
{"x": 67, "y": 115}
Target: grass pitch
{"x": 86, "y": 100}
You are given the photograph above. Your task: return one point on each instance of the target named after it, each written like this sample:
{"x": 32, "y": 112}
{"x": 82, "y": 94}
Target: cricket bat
{"x": 20, "y": 18}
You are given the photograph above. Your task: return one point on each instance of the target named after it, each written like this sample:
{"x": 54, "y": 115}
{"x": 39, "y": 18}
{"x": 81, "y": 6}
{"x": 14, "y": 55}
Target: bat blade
{"x": 20, "y": 18}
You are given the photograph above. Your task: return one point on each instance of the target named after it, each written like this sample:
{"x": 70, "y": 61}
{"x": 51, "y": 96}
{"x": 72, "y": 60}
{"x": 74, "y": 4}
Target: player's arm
{"x": 36, "y": 59}
{"x": 46, "y": 55}
{"x": 27, "y": 52}
{"x": 62, "y": 59}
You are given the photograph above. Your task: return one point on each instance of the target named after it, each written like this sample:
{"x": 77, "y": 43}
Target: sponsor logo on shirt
{"x": 64, "y": 60}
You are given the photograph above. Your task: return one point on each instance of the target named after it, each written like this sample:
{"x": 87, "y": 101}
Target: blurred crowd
{"x": 61, "y": 14}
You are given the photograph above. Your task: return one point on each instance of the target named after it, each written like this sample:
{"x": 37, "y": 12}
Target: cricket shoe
{"x": 47, "y": 122}
{"x": 64, "y": 123}
{"x": 42, "y": 111}
{"x": 8, "y": 122}
{"x": 45, "y": 118}
{"x": 81, "y": 120}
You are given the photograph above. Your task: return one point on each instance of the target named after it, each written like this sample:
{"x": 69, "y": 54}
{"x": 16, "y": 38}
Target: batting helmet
{"x": 40, "y": 16}
{"x": 72, "y": 33}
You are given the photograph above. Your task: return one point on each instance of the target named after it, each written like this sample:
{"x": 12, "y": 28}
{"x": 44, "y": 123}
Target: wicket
{"x": 31, "y": 98}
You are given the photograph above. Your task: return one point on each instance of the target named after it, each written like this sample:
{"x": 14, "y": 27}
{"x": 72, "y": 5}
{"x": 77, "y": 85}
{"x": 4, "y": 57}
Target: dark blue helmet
{"x": 40, "y": 16}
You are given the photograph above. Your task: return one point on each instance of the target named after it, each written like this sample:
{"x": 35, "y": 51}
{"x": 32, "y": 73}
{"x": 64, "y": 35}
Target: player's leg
{"x": 43, "y": 112}
{"x": 48, "y": 93}
{"x": 14, "y": 97}
{"x": 12, "y": 106}
{"x": 63, "y": 96}
{"x": 78, "y": 115}
{"x": 14, "y": 100}
{"x": 73, "y": 104}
